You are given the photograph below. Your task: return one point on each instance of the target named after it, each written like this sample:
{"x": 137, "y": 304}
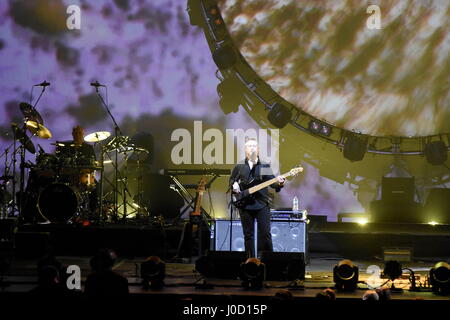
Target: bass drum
{"x": 58, "y": 203}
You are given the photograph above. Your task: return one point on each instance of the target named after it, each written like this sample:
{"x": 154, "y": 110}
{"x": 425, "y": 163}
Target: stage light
{"x": 229, "y": 93}
{"x": 345, "y": 275}
{"x": 393, "y": 270}
{"x": 440, "y": 278}
{"x": 153, "y": 272}
{"x": 225, "y": 57}
{"x": 252, "y": 273}
{"x": 314, "y": 126}
{"x": 280, "y": 115}
{"x": 325, "y": 130}
{"x": 362, "y": 221}
{"x": 436, "y": 152}
{"x": 318, "y": 127}
{"x": 433, "y": 223}
{"x": 355, "y": 147}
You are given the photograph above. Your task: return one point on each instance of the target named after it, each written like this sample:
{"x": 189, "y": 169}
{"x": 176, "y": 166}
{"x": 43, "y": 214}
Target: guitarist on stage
{"x": 257, "y": 205}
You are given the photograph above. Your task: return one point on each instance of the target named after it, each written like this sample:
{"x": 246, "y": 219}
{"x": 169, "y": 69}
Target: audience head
{"x": 370, "y": 295}
{"x": 283, "y": 294}
{"x": 48, "y": 276}
{"x": 384, "y": 294}
{"x": 326, "y": 295}
{"x": 103, "y": 261}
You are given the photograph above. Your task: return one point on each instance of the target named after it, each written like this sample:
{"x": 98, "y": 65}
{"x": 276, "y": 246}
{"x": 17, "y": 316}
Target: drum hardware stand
{"x": 117, "y": 131}
{"x": 115, "y": 184}
{"x": 140, "y": 191}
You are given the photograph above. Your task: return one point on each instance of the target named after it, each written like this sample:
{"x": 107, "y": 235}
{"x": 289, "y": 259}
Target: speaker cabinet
{"x": 222, "y": 231}
{"x": 287, "y": 236}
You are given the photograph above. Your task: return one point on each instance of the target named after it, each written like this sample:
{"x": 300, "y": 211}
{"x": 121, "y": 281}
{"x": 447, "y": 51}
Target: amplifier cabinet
{"x": 287, "y": 235}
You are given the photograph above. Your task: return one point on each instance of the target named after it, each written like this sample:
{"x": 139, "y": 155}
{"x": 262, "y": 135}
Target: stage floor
{"x": 181, "y": 279}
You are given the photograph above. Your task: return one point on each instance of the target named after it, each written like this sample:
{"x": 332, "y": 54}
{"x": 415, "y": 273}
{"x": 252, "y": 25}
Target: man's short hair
{"x": 248, "y": 139}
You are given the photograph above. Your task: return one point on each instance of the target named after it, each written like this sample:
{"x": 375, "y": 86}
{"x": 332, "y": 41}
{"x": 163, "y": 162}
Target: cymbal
{"x": 38, "y": 130}
{"x": 21, "y": 135}
{"x": 97, "y": 136}
{"x": 30, "y": 113}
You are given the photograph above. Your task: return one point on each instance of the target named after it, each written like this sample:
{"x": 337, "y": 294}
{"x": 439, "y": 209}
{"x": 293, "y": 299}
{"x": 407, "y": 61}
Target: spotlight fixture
{"x": 355, "y": 147}
{"x": 440, "y": 278}
{"x": 320, "y": 128}
{"x": 345, "y": 275}
{"x": 436, "y": 152}
{"x": 153, "y": 272}
{"x": 280, "y": 115}
{"x": 229, "y": 93}
{"x": 252, "y": 273}
{"x": 393, "y": 270}
{"x": 225, "y": 57}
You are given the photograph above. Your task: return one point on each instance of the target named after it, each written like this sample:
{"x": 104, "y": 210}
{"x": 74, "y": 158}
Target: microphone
{"x": 42, "y": 84}
{"x": 97, "y": 84}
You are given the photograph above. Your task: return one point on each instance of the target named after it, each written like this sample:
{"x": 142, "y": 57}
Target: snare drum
{"x": 58, "y": 203}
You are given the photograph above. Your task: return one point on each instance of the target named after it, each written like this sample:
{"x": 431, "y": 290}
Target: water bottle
{"x": 295, "y": 204}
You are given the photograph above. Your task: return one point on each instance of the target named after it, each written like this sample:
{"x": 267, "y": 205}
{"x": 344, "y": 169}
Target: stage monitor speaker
{"x": 226, "y": 264}
{"x": 287, "y": 236}
{"x": 283, "y": 266}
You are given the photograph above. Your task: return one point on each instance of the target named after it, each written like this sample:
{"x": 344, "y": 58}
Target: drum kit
{"x": 61, "y": 187}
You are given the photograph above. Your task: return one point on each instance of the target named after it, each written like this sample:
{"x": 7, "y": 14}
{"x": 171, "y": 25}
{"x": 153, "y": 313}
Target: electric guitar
{"x": 241, "y": 199}
{"x": 196, "y": 215}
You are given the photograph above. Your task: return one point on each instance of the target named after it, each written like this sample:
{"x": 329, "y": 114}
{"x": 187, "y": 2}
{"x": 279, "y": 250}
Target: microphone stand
{"x": 117, "y": 131}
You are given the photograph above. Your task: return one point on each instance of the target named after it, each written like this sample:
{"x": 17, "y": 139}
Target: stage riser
{"x": 68, "y": 240}
{"x": 361, "y": 246}
{"x": 86, "y": 241}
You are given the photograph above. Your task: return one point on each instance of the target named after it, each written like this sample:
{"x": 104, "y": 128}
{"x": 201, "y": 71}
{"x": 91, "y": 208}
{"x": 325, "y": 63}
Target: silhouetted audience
{"x": 283, "y": 294}
{"x": 51, "y": 277}
{"x": 48, "y": 282}
{"x": 384, "y": 294}
{"x": 103, "y": 281}
{"x": 370, "y": 295}
{"x": 326, "y": 295}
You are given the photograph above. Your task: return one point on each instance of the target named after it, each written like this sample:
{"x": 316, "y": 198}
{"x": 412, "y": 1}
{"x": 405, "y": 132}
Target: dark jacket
{"x": 260, "y": 172}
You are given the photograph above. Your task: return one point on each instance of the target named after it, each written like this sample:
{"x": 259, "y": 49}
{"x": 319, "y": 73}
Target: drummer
{"x": 84, "y": 155}
{"x": 78, "y": 145}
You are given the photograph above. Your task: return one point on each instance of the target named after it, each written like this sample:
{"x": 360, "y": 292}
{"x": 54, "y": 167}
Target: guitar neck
{"x": 266, "y": 184}
{"x": 198, "y": 204}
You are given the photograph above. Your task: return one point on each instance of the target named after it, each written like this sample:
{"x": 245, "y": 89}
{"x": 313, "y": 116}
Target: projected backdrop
{"x": 160, "y": 74}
